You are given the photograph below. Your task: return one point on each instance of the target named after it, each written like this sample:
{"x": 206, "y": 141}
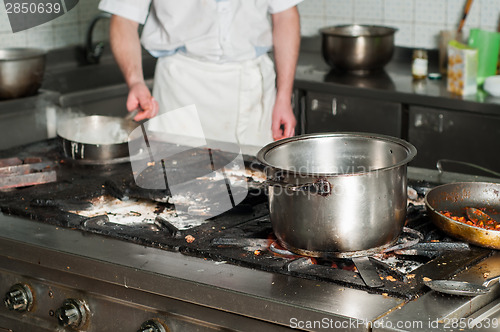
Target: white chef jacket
{"x": 213, "y": 54}
{"x": 214, "y": 30}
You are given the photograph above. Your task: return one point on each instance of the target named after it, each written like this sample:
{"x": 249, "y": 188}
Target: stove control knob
{"x": 152, "y": 326}
{"x": 72, "y": 313}
{"x": 19, "y": 298}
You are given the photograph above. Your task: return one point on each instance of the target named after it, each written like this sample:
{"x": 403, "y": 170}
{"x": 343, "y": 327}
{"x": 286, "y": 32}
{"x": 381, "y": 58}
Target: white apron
{"x": 234, "y": 100}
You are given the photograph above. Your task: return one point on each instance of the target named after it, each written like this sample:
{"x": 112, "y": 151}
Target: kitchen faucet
{"x": 93, "y": 53}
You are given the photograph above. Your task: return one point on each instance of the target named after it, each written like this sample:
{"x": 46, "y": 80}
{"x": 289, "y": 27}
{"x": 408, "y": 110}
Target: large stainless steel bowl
{"x": 358, "y": 48}
{"x": 21, "y": 71}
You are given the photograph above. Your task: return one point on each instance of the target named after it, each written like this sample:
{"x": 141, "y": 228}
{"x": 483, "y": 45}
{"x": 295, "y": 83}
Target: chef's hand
{"x": 283, "y": 116}
{"x": 140, "y": 96}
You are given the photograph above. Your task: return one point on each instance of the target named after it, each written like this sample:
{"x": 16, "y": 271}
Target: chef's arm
{"x": 286, "y": 40}
{"x": 126, "y": 48}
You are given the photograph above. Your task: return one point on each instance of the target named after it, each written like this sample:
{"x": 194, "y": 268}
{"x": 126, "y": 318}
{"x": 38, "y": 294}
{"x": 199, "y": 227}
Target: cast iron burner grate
{"x": 399, "y": 272}
{"x": 407, "y": 239}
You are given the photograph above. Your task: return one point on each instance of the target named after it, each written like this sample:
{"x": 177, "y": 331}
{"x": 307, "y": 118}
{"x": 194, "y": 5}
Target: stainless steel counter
{"x": 394, "y": 83}
{"x": 438, "y": 312}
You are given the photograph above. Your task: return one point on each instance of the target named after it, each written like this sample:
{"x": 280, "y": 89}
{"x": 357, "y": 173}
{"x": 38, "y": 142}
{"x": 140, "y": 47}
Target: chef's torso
{"x": 213, "y": 30}
{"x": 212, "y": 55}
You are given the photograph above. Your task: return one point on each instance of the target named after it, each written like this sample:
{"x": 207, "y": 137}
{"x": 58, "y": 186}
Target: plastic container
{"x": 488, "y": 45}
{"x": 492, "y": 85}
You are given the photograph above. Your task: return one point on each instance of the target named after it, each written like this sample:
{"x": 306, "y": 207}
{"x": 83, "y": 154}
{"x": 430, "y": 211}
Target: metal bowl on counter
{"x": 21, "y": 72}
{"x": 358, "y": 48}
{"x": 337, "y": 194}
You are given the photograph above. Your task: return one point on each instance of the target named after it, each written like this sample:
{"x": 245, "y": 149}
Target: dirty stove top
{"x": 103, "y": 199}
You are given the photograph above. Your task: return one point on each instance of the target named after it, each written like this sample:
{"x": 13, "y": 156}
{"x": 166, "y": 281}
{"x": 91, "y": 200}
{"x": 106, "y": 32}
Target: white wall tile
{"x": 418, "y": 21}
{"x": 82, "y": 29}
{"x": 399, "y": 10}
{"x": 331, "y": 21}
{"x": 41, "y": 37}
{"x": 70, "y": 17}
{"x": 455, "y": 12}
{"x": 431, "y": 11}
{"x": 65, "y": 35}
{"x": 369, "y": 21}
{"x": 9, "y": 39}
{"x": 312, "y": 7}
{"x": 4, "y": 21}
{"x": 426, "y": 36}
{"x": 101, "y": 30}
{"x": 489, "y": 28}
{"x": 343, "y": 9}
{"x": 309, "y": 25}
{"x": 489, "y": 13}
{"x": 404, "y": 35}
{"x": 88, "y": 9}
{"x": 368, "y": 9}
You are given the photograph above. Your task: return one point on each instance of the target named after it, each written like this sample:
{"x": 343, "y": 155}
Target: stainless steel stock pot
{"x": 21, "y": 71}
{"x": 341, "y": 194}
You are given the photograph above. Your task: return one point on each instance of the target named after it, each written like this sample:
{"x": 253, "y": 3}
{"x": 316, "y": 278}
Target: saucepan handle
{"x": 491, "y": 280}
{"x": 321, "y": 186}
{"x": 131, "y": 115}
{"x": 439, "y": 166}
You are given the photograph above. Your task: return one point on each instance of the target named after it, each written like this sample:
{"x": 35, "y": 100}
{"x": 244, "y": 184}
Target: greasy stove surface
{"x": 241, "y": 236}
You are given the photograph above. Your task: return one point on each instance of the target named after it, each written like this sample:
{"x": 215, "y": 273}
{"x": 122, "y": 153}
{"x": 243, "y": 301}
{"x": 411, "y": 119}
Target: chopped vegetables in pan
{"x": 476, "y": 219}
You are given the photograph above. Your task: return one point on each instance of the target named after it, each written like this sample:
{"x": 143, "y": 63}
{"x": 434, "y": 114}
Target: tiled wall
{"x": 418, "y": 21}
{"x": 68, "y": 29}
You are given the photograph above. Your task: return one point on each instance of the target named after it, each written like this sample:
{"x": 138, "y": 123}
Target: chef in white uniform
{"x": 213, "y": 54}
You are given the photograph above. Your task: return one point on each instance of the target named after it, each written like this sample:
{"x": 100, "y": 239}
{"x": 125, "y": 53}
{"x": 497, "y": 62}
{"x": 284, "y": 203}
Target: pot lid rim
{"x": 21, "y": 53}
{"x": 410, "y": 148}
{"x": 328, "y": 31}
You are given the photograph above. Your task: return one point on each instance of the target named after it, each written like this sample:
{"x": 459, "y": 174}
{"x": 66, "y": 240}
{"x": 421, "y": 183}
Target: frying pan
{"x": 455, "y": 197}
{"x": 96, "y": 137}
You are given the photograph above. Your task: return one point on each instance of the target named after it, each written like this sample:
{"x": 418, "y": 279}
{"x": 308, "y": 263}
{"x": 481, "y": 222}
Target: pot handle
{"x": 439, "y": 166}
{"x": 321, "y": 187}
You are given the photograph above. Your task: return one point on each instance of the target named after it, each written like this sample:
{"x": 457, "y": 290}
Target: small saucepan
{"x": 95, "y": 138}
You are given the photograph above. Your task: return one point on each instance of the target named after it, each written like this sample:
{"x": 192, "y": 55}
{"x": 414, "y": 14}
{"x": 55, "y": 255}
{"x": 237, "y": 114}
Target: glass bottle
{"x": 419, "y": 64}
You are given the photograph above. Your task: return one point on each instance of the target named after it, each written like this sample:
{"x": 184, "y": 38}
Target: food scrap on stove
{"x": 390, "y": 278}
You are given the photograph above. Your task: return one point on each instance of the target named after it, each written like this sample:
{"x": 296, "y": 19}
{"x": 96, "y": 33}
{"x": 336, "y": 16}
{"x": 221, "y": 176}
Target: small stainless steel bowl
{"x": 21, "y": 71}
{"x": 358, "y": 49}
